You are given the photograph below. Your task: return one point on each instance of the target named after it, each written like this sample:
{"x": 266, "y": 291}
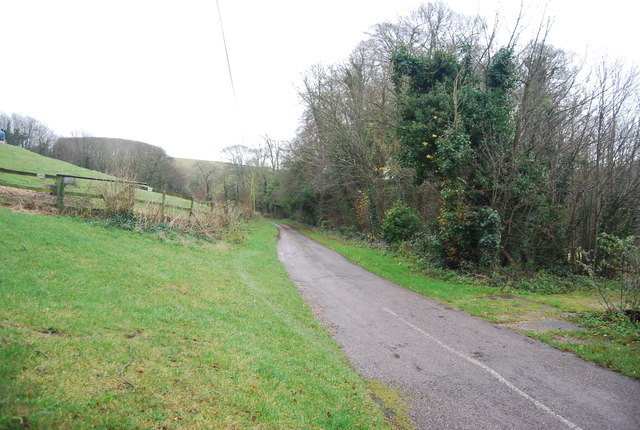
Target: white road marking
{"x": 492, "y": 372}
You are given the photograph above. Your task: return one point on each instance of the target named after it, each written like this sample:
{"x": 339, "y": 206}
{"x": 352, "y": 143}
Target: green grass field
{"x": 14, "y": 158}
{"x": 102, "y": 328}
{"x": 614, "y": 344}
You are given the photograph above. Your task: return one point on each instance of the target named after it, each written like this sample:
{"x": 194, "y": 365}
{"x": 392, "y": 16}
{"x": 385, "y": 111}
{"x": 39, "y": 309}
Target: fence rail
{"x": 120, "y": 181}
{"x": 60, "y": 189}
{"x": 18, "y": 172}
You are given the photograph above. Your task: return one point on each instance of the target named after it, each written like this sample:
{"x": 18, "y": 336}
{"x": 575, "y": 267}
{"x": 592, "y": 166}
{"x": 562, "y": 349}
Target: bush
{"x": 120, "y": 194}
{"x": 488, "y": 235}
{"x": 400, "y": 223}
{"x": 119, "y": 198}
{"x": 215, "y": 221}
{"x": 547, "y": 283}
{"x": 348, "y": 231}
{"x": 618, "y": 260}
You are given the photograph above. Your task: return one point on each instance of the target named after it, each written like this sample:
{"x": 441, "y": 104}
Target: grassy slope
{"x": 211, "y": 336}
{"x": 610, "y": 344}
{"x": 12, "y": 157}
{"x": 187, "y": 165}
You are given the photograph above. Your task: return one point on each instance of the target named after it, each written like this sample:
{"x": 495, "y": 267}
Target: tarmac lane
{"x": 460, "y": 372}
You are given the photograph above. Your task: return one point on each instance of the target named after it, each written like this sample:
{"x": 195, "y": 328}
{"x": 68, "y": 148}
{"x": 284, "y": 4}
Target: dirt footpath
{"x": 459, "y": 371}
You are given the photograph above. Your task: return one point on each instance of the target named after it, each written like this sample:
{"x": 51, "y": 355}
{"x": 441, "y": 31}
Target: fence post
{"x": 164, "y": 195}
{"x": 191, "y": 208}
{"x": 60, "y": 192}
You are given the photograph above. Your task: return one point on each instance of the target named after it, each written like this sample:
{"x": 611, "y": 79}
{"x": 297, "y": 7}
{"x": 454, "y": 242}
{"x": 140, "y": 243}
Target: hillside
{"x": 203, "y": 178}
{"x": 111, "y": 143}
{"x": 14, "y": 158}
{"x": 132, "y": 159}
{"x": 188, "y": 165}
{"x": 103, "y": 328}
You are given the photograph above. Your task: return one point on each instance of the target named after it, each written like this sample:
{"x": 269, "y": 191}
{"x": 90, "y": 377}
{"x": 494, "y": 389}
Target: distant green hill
{"x": 187, "y": 166}
{"x": 198, "y": 173}
{"x": 148, "y": 163}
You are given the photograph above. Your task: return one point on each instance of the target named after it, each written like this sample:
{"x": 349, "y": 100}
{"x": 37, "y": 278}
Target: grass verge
{"x": 103, "y": 328}
{"x": 610, "y": 342}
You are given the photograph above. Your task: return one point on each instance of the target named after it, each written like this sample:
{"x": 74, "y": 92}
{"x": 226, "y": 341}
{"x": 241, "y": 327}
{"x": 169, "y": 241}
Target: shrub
{"x": 213, "y": 221}
{"x": 618, "y": 260}
{"x": 400, "y": 223}
{"x": 547, "y": 283}
{"x": 488, "y": 235}
{"x": 621, "y": 262}
{"x": 119, "y": 198}
{"x": 348, "y": 231}
{"x": 120, "y": 194}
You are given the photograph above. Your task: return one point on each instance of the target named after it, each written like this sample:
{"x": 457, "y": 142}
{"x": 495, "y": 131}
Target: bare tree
{"x": 205, "y": 180}
{"x": 273, "y": 151}
{"x": 28, "y": 133}
{"x": 239, "y": 156}
{"x": 606, "y": 192}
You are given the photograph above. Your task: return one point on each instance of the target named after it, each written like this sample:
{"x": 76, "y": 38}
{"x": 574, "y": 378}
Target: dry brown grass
{"x": 119, "y": 197}
{"x": 215, "y": 220}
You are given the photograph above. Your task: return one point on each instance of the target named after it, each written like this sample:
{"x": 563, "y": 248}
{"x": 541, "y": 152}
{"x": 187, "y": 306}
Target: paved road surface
{"x": 461, "y": 372}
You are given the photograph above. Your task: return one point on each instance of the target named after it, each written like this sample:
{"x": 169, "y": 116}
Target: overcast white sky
{"x": 155, "y": 70}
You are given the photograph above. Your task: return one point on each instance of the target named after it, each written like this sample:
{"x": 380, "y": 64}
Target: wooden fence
{"x": 60, "y": 189}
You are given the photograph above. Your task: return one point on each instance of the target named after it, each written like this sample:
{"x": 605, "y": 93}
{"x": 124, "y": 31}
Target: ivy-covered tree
{"x": 451, "y": 123}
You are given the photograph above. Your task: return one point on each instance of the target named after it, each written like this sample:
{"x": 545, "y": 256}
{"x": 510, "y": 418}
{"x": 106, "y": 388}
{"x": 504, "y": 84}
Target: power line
{"x": 226, "y": 53}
